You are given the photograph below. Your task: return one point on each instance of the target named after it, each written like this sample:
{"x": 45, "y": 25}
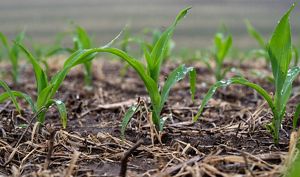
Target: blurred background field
{"x": 103, "y": 19}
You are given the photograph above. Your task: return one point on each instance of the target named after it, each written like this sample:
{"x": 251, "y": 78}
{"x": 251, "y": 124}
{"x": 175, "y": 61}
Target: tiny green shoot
{"x": 222, "y": 46}
{"x": 13, "y": 53}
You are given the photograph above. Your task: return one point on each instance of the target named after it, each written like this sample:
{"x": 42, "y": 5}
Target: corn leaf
{"x": 255, "y": 34}
{"x": 11, "y": 95}
{"x": 62, "y": 111}
{"x": 40, "y": 75}
{"x": 280, "y": 52}
{"x": 15, "y": 49}
{"x": 57, "y": 50}
{"x": 176, "y": 75}
{"x": 234, "y": 80}
{"x": 82, "y": 39}
{"x": 127, "y": 117}
{"x": 296, "y": 116}
{"x": 287, "y": 86}
{"x": 4, "y": 42}
{"x": 79, "y": 57}
{"x": 44, "y": 96}
{"x": 6, "y": 95}
{"x": 161, "y": 45}
{"x": 193, "y": 77}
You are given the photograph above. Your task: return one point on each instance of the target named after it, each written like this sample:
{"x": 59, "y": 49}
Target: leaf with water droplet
{"x": 127, "y": 117}
{"x": 176, "y": 75}
{"x": 11, "y": 95}
{"x": 234, "y": 80}
{"x": 62, "y": 112}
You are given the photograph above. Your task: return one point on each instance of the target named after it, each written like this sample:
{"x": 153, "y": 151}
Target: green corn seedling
{"x": 149, "y": 74}
{"x": 46, "y": 89}
{"x": 150, "y": 77}
{"x": 280, "y": 52}
{"x": 13, "y": 53}
{"x": 222, "y": 46}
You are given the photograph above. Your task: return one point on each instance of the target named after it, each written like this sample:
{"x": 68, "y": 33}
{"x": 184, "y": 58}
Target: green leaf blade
{"x": 40, "y": 75}
{"x": 62, "y": 112}
{"x": 4, "y": 96}
{"x": 161, "y": 46}
{"x": 287, "y": 87}
{"x": 255, "y": 34}
{"x": 4, "y": 42}
{"x": 11, "y": 95}
{"x": 235, "y": 80}
{"x": 296, "y": 116}
{"x": 280, "y": 50}
{"x": 126, "y": 119}
{"x": 175, "y": 76}
{"x": 193, "y": 78}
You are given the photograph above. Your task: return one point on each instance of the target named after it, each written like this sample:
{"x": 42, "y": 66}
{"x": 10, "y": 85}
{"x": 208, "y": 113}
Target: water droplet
{"x": 225, "y": 82}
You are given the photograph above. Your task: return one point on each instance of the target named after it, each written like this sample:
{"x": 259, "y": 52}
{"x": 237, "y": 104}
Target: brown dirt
{"x": 229, "y": 139}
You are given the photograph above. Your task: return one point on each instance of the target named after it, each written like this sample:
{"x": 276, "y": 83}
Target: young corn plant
{"x": 280, "y": 53}
{"x": 151, "y": 72}
{"x": 47, "y": 88}
{"x": 13, "y": 53}
{"x": 45, "y": 92}
{"x": 222, "y": 46}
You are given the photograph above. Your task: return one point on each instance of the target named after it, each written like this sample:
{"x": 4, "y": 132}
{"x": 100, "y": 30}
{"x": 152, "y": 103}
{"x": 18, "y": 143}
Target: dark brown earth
{"x": 229, "y": 139}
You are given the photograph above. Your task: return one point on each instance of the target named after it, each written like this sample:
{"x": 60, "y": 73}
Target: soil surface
{"x": 229, "y": 139}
